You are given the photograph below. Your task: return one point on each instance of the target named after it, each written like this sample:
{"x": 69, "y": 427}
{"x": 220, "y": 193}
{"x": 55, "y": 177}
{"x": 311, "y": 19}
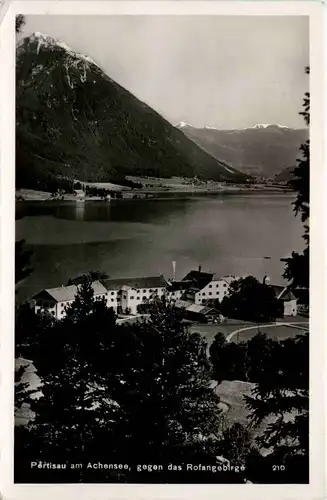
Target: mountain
{"x": 285, "y": 175}
{"x": 263, "y": 150}
{"x": 74, "y": 121}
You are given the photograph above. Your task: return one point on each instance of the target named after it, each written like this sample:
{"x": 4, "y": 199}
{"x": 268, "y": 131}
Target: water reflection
{"x": 115, "y": 210}
{"x": 80, "y": 211}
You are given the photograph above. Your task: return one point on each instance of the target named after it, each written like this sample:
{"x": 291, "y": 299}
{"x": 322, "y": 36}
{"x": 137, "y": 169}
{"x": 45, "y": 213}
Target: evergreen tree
{"x": 22, "y": 261}
{"x": 250, "y": 300}
{"x": 297, "y": 266}
{"x": 166, "y": 405}
{"x": 280, "y": 400}
{"x": 22, "y": 270}
{"x": 20, "y": 22}
{"x": 137, "y": 393}
{"x": 73, "y": 404}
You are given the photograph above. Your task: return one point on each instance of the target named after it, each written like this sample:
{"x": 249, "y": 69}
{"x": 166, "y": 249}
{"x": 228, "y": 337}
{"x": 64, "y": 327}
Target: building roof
{"x": 138, "y": 283}
{"x": 183, "y": 303}
{"x": 283, "y": 293}
{"x": 67, "y": 293}
{"x": 200, "y": 309}
{"x": 178, "y": 285}
{"x": 198, "y": 278}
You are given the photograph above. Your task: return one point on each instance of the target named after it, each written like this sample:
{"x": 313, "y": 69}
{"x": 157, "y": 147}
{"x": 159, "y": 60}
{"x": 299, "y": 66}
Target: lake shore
{"x": 35, "y": 195}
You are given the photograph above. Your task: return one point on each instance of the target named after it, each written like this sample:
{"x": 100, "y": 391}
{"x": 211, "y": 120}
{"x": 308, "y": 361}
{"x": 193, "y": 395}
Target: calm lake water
{"x": 226, "y": 234}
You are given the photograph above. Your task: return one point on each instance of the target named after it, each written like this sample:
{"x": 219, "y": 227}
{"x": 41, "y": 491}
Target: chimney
{"x": 200, "y": 268}
{"x": 174, "y": 270}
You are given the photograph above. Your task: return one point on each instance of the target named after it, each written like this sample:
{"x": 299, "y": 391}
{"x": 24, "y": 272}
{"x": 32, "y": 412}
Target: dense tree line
{"x": 143, "y": 391}
{"x": 250, "y": 300}
{"x": 137, "y": 393}
{"x": 280, "y": 397}
{"x": 43, "y": 181}
{"x": 253, "y": 359}
{"x": 297, "y": 266}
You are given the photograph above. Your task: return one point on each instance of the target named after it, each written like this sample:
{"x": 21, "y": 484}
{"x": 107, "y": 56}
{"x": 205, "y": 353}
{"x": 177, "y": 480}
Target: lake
{"x": 226, "y": 234}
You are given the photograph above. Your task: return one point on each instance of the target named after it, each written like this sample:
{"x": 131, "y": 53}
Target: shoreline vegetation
{"x": 149, "y": 187}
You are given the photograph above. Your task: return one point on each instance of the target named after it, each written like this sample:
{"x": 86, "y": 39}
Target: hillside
{"x": 74, "y": 121}
{"x": 285, "y": 175}
{"x": 263, "y": 150}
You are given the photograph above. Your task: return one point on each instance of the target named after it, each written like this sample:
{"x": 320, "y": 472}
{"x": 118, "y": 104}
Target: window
{"x": 210, "y": 293}
{"x": 113, "y": 293}
{"x": 124, "y": 296}
{"x": 144, "y": 291}
{"x": 138, "y": 291}
{"x": 210, "y": 286}
{"x": 138, "y": 298}
{"x": 225, "y": 285}
{"x": 217, "y": 285}
{"x": 144, "y": 297}
{"x": 112, "y": 300}
{"x": 156, "y": 290}
{"x": 118, "y": 299}
{"x": 151, "y": 290}
{"x": 203, "y": 293}
{"x": 53, "y": 313}
{"x": 132, "y": 297}
{"x": 173, "y": 293}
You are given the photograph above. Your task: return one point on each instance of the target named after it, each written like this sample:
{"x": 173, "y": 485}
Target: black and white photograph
{"x": 162, "y": 278}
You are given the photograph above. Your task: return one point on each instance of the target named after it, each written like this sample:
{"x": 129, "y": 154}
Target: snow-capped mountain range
{"x": 257, "y": 126}
{"x": 263, "y": 149}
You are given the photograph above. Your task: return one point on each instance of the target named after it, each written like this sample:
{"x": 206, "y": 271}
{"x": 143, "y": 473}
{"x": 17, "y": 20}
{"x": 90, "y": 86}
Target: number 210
{"x": 278, "y": 467}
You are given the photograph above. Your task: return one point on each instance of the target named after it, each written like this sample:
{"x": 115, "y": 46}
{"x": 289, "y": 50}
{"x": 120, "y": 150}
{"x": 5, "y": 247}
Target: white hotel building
{"x": 216, "y": 289}
{"x": 55, "y": 300}
{"x": 123, "y": 295}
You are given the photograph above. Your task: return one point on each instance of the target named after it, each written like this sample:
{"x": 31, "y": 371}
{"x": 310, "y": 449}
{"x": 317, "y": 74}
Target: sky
{"x": 220, "y": 71}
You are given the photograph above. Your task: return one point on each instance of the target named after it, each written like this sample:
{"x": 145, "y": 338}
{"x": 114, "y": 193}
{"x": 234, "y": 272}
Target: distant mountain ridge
{"x": 264, "y": 149}
{"x": 74, "y": 121}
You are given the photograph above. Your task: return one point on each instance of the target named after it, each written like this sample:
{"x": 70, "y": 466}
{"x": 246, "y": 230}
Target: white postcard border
{"x": 7, "y": 238}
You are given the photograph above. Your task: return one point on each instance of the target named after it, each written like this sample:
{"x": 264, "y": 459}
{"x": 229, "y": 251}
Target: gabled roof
{"x": 178, "y": 285}
{"x": 138, "y": 283}
{"x": 67, "y": 293}
{"x": 283, "y": 293}
{"x": 198, "y": 278}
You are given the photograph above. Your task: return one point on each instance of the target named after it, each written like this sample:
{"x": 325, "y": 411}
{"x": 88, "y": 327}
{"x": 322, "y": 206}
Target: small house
{"x": 287, "y": 297}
